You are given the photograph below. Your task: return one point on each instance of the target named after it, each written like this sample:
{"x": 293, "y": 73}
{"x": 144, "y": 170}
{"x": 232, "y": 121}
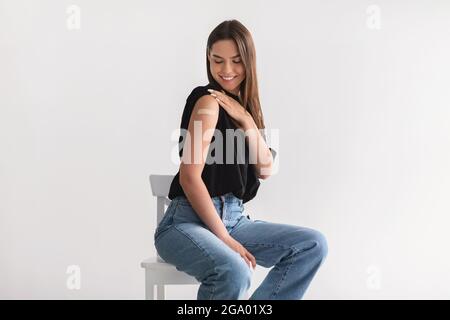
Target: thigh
{"x": 269, "y": 242}
{"x": 194, "y": 249}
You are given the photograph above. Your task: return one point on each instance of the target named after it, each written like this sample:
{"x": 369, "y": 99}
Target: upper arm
{"x": 202, "y": 123}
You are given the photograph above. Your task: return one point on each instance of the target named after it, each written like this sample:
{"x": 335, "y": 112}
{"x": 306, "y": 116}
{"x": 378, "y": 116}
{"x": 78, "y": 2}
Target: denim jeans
{"x": 294, "y": 253}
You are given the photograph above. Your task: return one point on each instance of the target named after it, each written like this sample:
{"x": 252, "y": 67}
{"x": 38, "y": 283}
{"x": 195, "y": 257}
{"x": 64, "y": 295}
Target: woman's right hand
{"x": 239, "y": 248}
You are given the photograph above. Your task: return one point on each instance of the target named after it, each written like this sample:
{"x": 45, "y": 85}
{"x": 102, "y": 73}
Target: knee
{"x": 319, "y": 244}
{"x": 237, "y": 275}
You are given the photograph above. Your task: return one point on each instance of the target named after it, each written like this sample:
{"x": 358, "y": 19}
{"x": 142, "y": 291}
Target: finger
{"x": 224, "y": 97}
{"x": 221, "y": 95}
{"x": 222, "y": 103}
{"x": 247, "y": 261}
{"x": 252, "y": 259}
{"x": 214, "y": 93}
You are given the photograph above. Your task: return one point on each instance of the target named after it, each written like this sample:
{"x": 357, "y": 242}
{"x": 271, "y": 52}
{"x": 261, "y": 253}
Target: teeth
{"x": 230, "y": 78}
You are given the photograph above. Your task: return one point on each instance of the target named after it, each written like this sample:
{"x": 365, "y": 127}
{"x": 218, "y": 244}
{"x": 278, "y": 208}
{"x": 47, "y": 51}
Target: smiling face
{"x": 226, "y": 65}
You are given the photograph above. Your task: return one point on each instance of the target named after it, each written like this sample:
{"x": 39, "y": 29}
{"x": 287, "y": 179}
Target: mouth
{"x": 228, "y": 79}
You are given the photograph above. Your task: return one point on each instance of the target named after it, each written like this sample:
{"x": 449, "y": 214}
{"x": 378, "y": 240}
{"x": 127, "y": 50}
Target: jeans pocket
{"x": 166, "y": 221}
{"x": 160, "y": 232}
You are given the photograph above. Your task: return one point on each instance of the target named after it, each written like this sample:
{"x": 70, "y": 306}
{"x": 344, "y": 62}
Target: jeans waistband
{"x": 228, "y": 198}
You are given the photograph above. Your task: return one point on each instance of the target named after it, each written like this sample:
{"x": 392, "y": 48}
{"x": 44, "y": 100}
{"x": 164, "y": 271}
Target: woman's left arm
{"x": 258, "y": 147}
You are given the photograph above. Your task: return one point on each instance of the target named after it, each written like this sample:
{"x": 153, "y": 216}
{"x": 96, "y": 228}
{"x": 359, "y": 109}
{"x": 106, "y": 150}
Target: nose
{"x": 227, "y": 69}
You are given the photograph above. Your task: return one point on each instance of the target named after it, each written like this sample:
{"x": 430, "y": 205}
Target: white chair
{"x": 157, "y": 272}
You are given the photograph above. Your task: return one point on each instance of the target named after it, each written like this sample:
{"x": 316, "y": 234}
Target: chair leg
{"x": 160, "y": 292}
{"x": 149, "y": 294}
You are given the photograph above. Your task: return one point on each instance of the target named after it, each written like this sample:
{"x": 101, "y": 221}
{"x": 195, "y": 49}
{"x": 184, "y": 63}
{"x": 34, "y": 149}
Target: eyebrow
{"x": 215, "y": 55}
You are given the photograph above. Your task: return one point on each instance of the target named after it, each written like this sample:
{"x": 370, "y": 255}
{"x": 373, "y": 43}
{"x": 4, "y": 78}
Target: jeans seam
{"x": 157, "y": 234}
{"x": 283, "y": 277}
{"x": 207, "y": 254}
{"x": 269, "y": 245}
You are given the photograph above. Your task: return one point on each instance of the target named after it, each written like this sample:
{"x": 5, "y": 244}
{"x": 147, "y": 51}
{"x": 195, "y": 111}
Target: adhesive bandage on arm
{"x": 206, "y": 111}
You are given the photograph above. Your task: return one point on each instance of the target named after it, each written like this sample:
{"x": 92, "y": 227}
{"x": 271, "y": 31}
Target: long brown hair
{"x": 234, "y": 30}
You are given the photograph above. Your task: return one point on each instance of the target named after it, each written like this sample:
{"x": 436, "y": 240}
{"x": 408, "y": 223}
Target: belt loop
{"x": 223, "y": 206}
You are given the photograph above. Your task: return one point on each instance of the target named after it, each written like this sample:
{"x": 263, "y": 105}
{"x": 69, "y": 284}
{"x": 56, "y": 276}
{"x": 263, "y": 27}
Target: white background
{"x": 87, "y": 114}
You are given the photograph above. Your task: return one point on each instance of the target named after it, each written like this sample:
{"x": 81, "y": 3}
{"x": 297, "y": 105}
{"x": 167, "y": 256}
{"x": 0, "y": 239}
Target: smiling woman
{"x": 231, "y": 63}
{"x": 229, "y": 72}
{"x": 204, "y": 231}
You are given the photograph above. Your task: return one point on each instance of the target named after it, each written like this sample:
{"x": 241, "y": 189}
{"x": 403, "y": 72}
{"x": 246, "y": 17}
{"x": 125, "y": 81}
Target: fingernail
{"x": 213, "y": 94}
{"x": 210, "y": 90}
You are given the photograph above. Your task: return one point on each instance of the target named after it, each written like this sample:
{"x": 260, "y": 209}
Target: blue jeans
{"x": 294, "y": 252}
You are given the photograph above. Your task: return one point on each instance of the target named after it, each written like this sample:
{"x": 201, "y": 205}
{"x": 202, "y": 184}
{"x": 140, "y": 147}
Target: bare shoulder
{"x": 206, "y": 105}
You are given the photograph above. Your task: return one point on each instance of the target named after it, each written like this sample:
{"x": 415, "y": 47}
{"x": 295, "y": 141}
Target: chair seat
{"x": 165, "y": 273}
{"x": 154, "y": 263}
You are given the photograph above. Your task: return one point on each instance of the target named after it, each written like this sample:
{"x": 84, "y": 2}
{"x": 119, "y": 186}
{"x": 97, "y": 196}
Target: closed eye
{"x": 218, "y": 62}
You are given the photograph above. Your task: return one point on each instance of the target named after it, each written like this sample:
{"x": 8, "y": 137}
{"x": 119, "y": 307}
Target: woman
{"x": 204, "y": 231}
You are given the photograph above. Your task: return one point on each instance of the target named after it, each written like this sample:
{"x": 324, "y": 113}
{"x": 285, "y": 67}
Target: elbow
{"x": 265, "y": 173}
{"x": 187, "y": 179}
{"x": 264, "y": 176}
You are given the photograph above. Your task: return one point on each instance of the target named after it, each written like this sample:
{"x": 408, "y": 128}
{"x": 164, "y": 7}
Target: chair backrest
{"x": 160, "y": 185}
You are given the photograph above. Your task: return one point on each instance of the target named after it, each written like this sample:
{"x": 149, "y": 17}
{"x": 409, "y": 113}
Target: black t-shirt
{"x": 219, "y": 175}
